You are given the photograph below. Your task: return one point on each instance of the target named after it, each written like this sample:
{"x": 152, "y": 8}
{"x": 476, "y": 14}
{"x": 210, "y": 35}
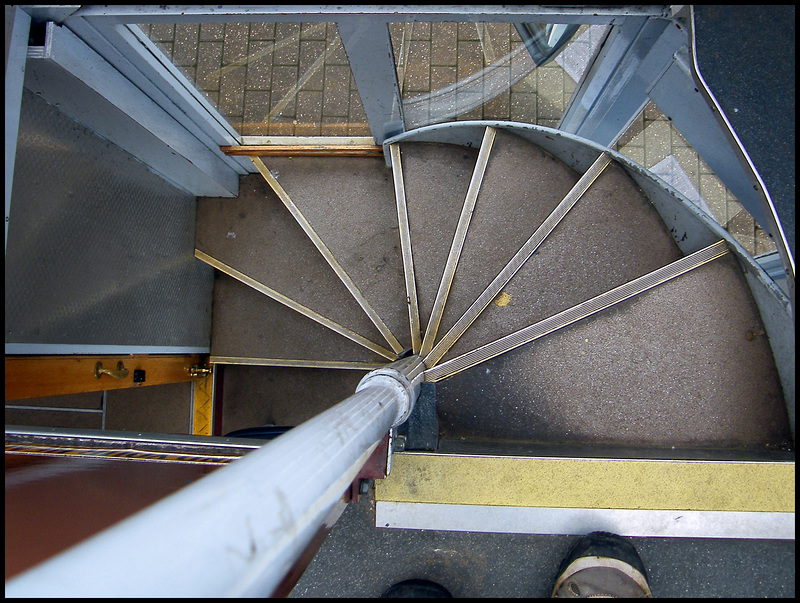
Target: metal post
{"x": 239, "y": 530}
{"x": 369, "y": 50}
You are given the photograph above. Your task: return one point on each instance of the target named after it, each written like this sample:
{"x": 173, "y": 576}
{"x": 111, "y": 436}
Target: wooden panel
{"x": 39, "y": 376}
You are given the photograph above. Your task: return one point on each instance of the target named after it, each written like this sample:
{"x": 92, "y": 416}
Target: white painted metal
{"x": 237, "y": 531}
{"x": 69, "y": 74}
{"x": 17, "y": 29}
{"x": 68, "y": 348}
{"x": 625, "y": 522}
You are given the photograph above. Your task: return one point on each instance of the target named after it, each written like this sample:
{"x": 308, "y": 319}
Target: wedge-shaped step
{"x": 254, "y": 238}
{"x": 251, "y": 328}
{"x": 611, "y": 236}
{"x": 517, "y": 261}
{"x": 685, "y": 364}
{"x": 584, "y": 310}
{"x": 253, "y": 396}
{"x": 457, "y": 245}
{"x": 521, "y": 186}
{"x": 347, "y": 206}
{"x": 436, "y": 179}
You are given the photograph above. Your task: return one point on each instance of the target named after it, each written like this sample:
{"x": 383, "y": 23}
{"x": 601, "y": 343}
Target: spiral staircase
{"x": 558, "y": 294}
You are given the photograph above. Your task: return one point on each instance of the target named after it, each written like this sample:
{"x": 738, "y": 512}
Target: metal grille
{"x": 100, "y": 250}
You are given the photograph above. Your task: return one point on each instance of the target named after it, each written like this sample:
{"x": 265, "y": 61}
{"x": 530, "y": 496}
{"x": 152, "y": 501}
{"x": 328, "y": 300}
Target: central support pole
{"x": 238, "y": 531}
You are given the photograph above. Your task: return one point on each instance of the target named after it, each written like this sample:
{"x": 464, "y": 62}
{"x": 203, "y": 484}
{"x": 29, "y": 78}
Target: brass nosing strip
{"x": 519, "y": 259}
{"x": 458, "y": 240}
{"x": 576, "y": 313}
{"x": 328, "y": 255}
{"x": 296, "y": 306}
{"x": 405, "y": 246}
{"x": 297, "y": 363}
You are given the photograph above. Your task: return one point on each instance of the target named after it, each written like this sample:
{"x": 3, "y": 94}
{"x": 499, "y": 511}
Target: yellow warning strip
{"x": 589, "y": 483}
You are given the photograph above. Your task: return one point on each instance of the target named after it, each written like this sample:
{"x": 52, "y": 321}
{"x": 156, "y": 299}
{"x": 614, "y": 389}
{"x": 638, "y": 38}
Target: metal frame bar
{"x": 292, "y": 12}
{"x": 34, "y": 349}
{"x": 614, "y": 88}
{"x": 654, "y": 523}
{"x": 16, "y": 57}
{"x": 369, "y": 50}
{"x": 68, "y": 73}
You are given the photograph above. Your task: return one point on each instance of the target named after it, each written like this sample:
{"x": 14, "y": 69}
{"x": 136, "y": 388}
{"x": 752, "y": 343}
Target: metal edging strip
{"x": 297, "y": 363}
{"x": 405, "y": 245}
{"x": 515, "y": 263}
{"x": 458, "y": 240}
{"x": 576, "y": 313}
{"x": 624, "y": 522}
{"x": 328, "y": 255}
{"x": 290, "y": 303}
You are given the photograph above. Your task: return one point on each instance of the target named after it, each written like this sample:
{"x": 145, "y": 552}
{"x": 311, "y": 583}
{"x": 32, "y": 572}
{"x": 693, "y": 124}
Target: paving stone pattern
{"x": 294, "y": 79}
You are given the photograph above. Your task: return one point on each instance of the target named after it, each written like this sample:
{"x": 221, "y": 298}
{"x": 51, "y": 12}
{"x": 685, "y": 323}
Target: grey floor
{"x": 360, "y": 560}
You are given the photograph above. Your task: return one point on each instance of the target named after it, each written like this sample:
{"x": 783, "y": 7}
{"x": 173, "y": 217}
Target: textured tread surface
{"x": 622, "y": 378}
{"x": 256, "y": 235}
{"x": 350, "y": 203}
{"x": 612, "y": 236}
{"x": 249, "y": 324}
{"x": 436, "y": 180}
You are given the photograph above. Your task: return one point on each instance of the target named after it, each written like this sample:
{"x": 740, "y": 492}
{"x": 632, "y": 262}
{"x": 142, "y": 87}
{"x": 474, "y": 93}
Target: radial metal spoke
{"x": 576, "y": 313}
{"x": 294, "y": 305}
{"x": 513, "y": 266}
{"x": 328, "y": 255}
{"x": 458, "y": 241}
{"x": 405, "y": 246}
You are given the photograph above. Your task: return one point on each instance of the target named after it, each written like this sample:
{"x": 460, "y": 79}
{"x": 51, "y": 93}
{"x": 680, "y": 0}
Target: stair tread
{"x": 436, "y": 180}
{"x": 256, "y": 235}
{"x": 610, "y": 237}
{"x": 685, "y": 364}
{"x": 248, "y": 324}
{"x": 350, "y": 203}
{"x": 521, "y": 187}
{"x": 276, "y": 390}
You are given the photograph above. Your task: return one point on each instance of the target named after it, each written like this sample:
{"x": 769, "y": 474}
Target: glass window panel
{"x": 279, "y": 79}
{"x": 461, "y": 71}
{"x": 653, "y": 142}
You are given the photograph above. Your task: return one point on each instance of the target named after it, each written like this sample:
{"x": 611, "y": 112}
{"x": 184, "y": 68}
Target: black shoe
{"x": 417, "y": 589}
{"x": 602, "y": 565}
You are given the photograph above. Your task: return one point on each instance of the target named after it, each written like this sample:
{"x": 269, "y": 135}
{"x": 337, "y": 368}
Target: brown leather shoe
{"x": 602, "y": 565}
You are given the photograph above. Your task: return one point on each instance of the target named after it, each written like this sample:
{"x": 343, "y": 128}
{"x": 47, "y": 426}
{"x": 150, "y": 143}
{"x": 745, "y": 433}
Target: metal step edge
{"x": 549, "y": 495}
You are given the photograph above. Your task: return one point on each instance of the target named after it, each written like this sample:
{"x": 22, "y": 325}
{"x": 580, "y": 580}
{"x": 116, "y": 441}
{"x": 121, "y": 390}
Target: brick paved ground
{"x": 294, "y": 79}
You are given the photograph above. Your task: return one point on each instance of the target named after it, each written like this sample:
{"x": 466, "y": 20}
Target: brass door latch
{"x": 200, "y": 370}
{"x": 120, "y": 373}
